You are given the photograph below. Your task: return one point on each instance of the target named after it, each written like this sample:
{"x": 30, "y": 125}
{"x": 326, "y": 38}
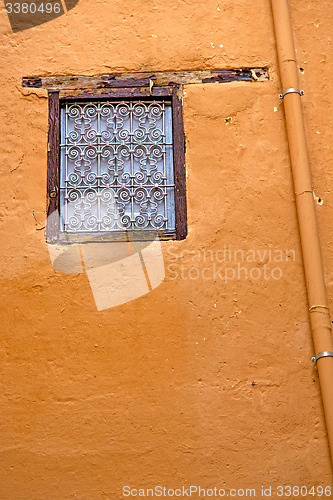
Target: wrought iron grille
{"x": 116, "y": 166}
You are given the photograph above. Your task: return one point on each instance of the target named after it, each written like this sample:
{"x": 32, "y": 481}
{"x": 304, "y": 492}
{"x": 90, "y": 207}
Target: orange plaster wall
{"x": 200, "y": 381}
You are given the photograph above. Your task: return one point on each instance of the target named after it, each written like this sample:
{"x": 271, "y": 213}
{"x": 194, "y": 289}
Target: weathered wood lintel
{"x": 117, "y": 92}
{"x": 158, "y": 78}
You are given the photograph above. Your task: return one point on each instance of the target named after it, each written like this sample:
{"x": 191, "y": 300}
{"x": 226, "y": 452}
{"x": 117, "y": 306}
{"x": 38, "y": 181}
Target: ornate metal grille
{"x": 116, "y": 166}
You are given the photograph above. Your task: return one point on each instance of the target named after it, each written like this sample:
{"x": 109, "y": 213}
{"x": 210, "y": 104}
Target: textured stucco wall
{"x": 198, "y": 382}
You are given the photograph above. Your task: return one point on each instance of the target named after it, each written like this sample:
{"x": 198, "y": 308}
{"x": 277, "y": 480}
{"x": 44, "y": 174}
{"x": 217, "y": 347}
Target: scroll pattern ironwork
{"x": 116, "y": 167}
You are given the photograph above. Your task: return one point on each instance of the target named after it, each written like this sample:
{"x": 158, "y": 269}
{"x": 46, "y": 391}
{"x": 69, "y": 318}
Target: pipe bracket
{"x": 324, "y": 354}
{"x": 291, "y": 90}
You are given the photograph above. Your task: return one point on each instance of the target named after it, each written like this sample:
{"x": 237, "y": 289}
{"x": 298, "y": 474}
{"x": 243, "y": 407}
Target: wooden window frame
{"x": 56, "y": 98}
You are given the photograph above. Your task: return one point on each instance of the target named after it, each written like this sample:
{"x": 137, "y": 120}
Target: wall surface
{"x": 201, "y": 381}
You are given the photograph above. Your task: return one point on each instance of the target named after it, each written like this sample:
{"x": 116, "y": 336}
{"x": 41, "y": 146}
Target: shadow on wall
{"x": 26, "y": 14}
{"x": 118, "y": 272}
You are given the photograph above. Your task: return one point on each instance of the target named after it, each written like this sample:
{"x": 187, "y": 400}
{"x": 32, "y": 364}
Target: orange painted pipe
{"x": 313, "y": 266}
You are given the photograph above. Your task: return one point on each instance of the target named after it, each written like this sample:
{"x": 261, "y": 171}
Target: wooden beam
{"x": 114, "y": 93}
{"x": 53, "y": 159}
{"x": 179, "y": 165}
{"x": 158, "y": 78}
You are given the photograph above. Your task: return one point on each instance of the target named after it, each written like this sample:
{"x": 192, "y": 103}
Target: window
{"x": 116, "y": 166}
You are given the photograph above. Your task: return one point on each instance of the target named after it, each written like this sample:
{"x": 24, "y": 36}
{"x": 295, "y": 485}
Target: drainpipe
{"x": 313, "y": 266}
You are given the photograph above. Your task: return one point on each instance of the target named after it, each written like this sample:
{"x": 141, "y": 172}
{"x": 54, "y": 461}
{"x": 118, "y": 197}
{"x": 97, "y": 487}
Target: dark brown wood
{"x": 32, "y": 82}
{"x": 72, "y": 95}
{"x": 158, "y": 78}
{"x": 243, "y": 75}
{"x": 112, "y": 81}
{"x": 104, "y": 237}
{"x": 53, "y": 158}
{"x": 179, "y": 165}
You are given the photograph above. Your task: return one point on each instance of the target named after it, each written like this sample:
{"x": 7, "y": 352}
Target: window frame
{"x": 55, "y": 99}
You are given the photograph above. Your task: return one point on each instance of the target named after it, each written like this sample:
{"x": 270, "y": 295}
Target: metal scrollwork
{"x": 117, "y": 166}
